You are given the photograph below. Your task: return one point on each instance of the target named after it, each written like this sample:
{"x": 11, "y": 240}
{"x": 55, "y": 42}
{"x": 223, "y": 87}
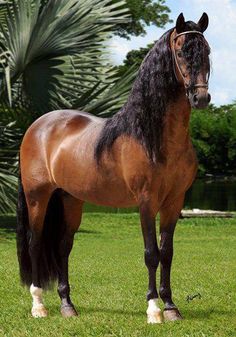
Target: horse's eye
{"x": 179, "y": 53}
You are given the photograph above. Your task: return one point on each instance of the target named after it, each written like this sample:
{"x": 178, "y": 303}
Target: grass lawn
{"x": 109, "y": 281}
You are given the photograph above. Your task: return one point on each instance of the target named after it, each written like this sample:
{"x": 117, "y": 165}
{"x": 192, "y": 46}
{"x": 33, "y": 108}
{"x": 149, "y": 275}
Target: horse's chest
{"x": 181, "y": 166}
{"x": 179, "y": 172}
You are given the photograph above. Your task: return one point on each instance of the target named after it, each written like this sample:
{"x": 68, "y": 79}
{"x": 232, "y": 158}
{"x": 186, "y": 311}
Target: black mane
{"x": 143, "y": 114}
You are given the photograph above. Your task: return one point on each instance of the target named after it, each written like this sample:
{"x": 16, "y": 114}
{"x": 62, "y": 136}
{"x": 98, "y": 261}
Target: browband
{"x": 188, "y": 32}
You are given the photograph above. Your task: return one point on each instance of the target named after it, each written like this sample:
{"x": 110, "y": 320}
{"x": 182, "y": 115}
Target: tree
{"x": 134, "y": 58}
{"x": 10, "y": 136}
{"x": 143, "y": 13}
{"x": 53, "y": 56}
{"x": 213, "y": 132}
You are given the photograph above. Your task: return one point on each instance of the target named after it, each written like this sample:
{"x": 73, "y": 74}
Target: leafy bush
{"x": 213, "y": 132}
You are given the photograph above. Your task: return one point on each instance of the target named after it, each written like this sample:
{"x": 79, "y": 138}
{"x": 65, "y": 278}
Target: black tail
{"x": 53, "y": 230}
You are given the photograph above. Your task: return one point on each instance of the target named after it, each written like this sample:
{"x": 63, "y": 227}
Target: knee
{"x": 152, "y": 258}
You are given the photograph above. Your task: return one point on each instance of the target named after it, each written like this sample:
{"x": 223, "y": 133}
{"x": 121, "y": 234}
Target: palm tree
{"x": 53, "y": 54}
{"x": 10, "y": 136}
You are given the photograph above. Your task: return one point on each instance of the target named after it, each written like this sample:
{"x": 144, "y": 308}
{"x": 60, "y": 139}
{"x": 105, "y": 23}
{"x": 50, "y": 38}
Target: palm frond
{"x": 10, "y": 136}
{"x": 53, "y": 55}
{"x": 3, "y": 12}
{"x": 42, "y": 41}
{"x": 113, "y": 97}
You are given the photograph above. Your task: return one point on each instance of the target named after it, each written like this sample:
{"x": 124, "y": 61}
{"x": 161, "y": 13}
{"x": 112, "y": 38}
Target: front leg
{"x": 152, "y": 257}
{"x": 168, "y": 219}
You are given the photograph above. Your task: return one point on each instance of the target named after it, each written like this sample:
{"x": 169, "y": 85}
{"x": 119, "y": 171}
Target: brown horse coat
{"x": 59, "y": 152}
{"x": 145, "y": 159}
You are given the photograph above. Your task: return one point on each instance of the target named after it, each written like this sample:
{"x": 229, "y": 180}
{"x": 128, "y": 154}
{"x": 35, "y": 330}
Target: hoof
{"x": 172, "y": 315}
{"x": 155, "y": 317}
{"x": 39, "y": 311}
{"x": 68, "y": 311}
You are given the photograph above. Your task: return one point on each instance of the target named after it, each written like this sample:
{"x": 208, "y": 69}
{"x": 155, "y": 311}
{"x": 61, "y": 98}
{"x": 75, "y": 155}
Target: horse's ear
{"x": 180, "y": 23}
{"x": 203, "y": 22}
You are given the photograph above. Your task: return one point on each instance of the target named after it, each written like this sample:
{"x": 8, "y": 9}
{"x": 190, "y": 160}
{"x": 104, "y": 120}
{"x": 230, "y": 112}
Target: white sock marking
{"x": 153, "y": 307}
{"x": 36, "y": 294}
{"x": 154, "y": 314}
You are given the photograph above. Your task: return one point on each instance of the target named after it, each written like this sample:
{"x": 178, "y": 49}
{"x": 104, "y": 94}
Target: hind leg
{"x": 37, "y": 206}
{"x": 72, "y": 217}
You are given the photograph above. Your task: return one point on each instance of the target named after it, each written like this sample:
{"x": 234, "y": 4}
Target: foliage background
{"x": 53, "y": 54}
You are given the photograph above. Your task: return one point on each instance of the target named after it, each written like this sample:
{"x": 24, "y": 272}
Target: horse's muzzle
{"x": 199, "y": 100}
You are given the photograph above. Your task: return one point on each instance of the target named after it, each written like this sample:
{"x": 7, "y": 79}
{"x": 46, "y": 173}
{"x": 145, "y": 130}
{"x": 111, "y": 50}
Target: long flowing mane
{"x": 142, "y": 115}
{"x": 155, "y": 87}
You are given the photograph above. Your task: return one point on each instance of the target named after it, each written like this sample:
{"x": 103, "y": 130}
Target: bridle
{"x": 188, "y": 86}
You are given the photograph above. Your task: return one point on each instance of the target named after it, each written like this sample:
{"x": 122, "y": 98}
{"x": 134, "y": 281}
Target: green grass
{"x": 109, "y": 281}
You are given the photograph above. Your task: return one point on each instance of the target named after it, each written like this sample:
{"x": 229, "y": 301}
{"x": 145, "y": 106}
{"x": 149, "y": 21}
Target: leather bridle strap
{"x": 188, "y": 32}
{"x": 175, "y": 62}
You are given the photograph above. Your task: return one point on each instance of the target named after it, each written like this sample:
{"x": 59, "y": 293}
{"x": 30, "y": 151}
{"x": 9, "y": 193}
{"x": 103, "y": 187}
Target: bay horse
{"x": 142, "y": 156}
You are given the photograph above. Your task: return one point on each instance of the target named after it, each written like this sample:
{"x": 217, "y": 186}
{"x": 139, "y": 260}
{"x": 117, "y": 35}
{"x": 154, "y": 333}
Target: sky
{"x": 221, "y": 36}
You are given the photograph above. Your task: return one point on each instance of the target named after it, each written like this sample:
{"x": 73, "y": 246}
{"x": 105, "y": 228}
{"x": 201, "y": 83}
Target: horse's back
{"x": 62, "y": 119}
{"x": 59, "y": 123}
{"x": 48, "y": 135}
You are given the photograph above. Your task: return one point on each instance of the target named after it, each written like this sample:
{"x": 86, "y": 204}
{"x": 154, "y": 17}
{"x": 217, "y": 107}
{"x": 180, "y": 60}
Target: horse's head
{"x": 191, "y": 63}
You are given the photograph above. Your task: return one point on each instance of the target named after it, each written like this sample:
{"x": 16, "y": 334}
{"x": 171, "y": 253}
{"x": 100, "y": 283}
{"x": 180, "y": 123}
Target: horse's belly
{"x": 101, "y": 191}
{"x": 106, "y": 196}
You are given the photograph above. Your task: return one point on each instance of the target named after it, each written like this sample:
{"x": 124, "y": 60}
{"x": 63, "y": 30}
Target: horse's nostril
{"x": 208, "y": 98}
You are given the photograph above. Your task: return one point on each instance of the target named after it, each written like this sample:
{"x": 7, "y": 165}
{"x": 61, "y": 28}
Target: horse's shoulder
{"x": 134, "y": 159}
{"x": 132, "y": 150}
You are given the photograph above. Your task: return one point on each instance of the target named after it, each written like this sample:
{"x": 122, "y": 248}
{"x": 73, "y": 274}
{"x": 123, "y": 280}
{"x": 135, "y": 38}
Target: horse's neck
{"x": 176, "y": 126}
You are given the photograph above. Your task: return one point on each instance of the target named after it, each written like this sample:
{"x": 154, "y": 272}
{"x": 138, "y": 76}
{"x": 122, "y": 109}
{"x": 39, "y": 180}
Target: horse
{"x": 141, "y": 156}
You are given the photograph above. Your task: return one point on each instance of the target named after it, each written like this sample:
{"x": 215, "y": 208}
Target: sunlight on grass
{"x": 109, "y": 281}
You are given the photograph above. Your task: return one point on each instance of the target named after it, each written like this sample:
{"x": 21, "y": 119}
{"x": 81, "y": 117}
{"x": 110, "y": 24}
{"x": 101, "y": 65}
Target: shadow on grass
{"x": 202, "y": 314}
{"x": 109, "y": 310}
{"x": 87, "y": 231}
{"x": 190, "y": 314}
{"x": 7, "y": 227}
{"x": 54, "y": 309}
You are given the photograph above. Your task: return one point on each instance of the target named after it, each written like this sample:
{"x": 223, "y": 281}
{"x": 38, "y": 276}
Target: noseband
{"x": 188, "y": 86}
